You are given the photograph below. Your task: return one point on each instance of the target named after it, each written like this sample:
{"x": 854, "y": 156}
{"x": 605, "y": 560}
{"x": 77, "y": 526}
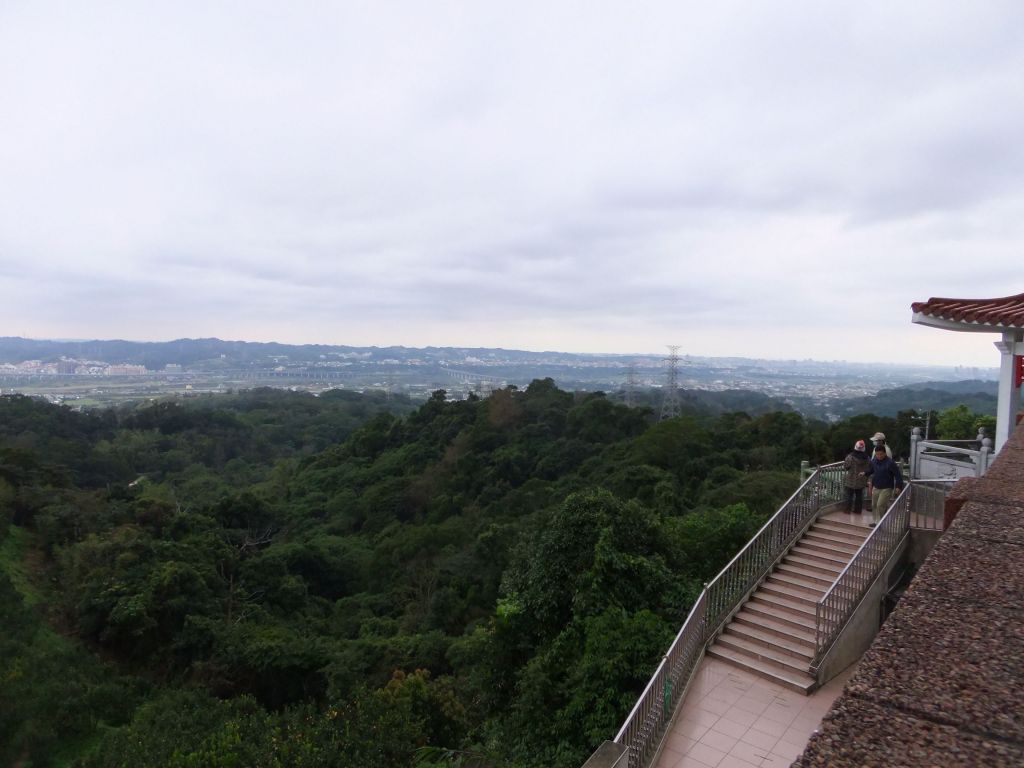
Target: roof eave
{"x": 957, "y": 325}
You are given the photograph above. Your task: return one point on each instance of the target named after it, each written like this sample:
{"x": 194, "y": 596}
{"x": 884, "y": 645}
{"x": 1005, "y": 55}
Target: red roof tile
{"x": 1005, "y": 312}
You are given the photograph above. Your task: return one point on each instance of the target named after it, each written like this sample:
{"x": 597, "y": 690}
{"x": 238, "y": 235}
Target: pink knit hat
{"x": 859, "y": 446}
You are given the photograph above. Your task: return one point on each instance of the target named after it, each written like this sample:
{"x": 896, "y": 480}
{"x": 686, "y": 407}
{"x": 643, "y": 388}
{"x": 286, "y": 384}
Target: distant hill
{"x": 979, "y": 396}
{"x": 714, "y": 403}
{"x": 157, "y": 354}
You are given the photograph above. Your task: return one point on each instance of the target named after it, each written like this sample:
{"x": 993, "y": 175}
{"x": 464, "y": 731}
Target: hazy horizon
{"x": 639, "y": 354}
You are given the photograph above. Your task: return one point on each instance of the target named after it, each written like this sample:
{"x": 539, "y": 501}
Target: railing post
{"x": 983, "y": 456}
{"x": 817, "y": 629}
{"x": 915, "y": 446}
{"x": 704, "y": 617}
{"x": 666, "y": 712}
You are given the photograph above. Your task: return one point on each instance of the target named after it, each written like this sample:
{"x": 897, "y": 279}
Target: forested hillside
{"x": 978, "y": 396}
{"x": 276, "y": 579}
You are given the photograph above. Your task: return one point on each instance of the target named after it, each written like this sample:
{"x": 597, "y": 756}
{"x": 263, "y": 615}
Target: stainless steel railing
{"x": 645, "y": 725}
{"x": 928, "y": 503}
{"x": 837, "y": 604}
{"x": 642, "y": 731}
{"x": 922, "y": 502}
{"x": 750, "y": 566}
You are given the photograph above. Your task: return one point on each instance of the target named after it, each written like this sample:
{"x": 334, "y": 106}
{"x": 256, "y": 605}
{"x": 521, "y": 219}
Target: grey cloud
{"x": 560, "y": 172}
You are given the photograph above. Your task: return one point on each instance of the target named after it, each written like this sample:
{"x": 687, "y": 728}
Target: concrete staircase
{"x": 773, "y": 633}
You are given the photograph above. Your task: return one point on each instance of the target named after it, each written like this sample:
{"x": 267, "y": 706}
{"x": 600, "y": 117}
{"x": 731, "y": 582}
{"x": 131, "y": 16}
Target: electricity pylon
{"x": 670, "y": 402}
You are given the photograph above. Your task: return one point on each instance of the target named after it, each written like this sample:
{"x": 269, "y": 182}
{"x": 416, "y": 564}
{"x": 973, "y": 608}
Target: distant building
{"x": 126, "y": 370}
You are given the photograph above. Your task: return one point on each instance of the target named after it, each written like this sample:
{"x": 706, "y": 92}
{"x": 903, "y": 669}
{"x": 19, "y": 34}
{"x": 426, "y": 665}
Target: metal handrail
{"x": 656, "y": 704}
{"x": 927, "y": 504}
{"x": 641, "y": 732}
{"x": 836, "y": 606}
{"x": 753, "y": 563}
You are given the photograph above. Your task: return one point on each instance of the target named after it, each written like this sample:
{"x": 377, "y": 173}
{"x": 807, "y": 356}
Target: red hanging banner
{"x": 1018, "y": 370}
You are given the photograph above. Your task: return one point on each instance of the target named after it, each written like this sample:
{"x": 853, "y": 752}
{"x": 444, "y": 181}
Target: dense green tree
{"x": 957, "y": 423}
{"x": 344, "y": 580}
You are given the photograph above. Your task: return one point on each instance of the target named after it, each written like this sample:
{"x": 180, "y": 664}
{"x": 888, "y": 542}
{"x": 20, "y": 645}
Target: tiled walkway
{"x": 732, "y": 719}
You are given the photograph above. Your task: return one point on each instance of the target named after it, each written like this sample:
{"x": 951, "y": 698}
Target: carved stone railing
{"x": 948, "y": 459}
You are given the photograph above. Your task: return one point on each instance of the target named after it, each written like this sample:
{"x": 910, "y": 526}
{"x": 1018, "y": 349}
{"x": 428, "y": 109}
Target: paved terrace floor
{"x": 733, "y": 719}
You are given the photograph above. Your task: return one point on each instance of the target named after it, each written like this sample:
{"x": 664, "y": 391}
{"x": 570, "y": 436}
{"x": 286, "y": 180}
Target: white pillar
{"x": 1009, "y": 396}
{"x": 915, "y": 448}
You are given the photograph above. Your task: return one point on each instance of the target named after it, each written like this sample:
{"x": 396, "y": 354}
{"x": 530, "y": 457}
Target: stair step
{"x": 775, "y": 609}
{"x": 789, "y": 593}
{"x": 843, "y": 526}
{"x": 820, "y": 555}
{"x": 783, "y": 603}
{"x": 834, "y": 542}
{"x": 826, "y": 547}
{"x": 831, "y": 568}
{"x": 774, "y": 624}
{"x": 801, "y": 650}
{"x": 820, "y": 578}
{"x": 791, "y": 581}
{"x": 834, "y": 529}
{"x": 773, "y": 633}
{"x": 794, "y": 681}
{"x": 773, "y": 656}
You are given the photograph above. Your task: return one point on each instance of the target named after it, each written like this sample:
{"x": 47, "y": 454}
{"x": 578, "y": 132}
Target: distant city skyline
{"x": 761, "y": 182}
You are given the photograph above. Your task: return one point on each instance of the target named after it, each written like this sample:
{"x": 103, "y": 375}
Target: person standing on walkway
{"x": 856, "y": 465}
{"x": 885, "y": 479}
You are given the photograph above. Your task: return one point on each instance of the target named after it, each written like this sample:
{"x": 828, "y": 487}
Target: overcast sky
{"x": 763, "y": 179}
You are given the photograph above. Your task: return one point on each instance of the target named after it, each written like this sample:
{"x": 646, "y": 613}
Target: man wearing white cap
{"x": 879, "y": 440}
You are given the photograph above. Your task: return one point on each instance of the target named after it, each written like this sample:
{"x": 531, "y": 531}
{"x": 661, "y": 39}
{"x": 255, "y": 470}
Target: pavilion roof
{"x": 971, "y": 314}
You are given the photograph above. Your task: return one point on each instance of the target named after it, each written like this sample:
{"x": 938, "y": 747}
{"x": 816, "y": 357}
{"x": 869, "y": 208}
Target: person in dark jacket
{"x": 885, "y": 480}
{"x": 856, "y": 465}
{"x": 878, "y": 439}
